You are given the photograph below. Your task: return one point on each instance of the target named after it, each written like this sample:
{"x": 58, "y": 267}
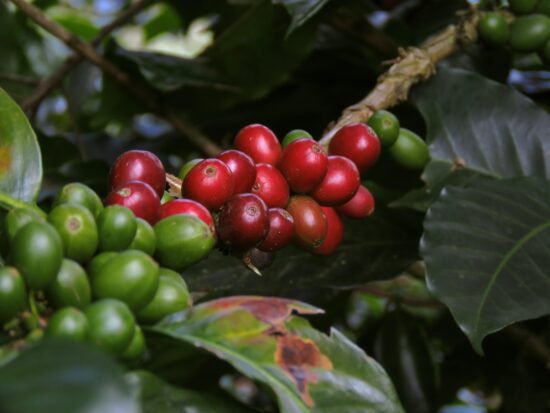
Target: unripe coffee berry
{"x": 141, "y": 166}
{"x": 271, "y": 186}
{"x": 294, "y": 135}
{"x": 386, "y": 126}
{"x": 310, "y": 223}
{"x": 360, "y": 206}
{"x": 335, "y": 233}
{"x": 357, "y": 142}
{"x": 138, "y": 197}
{"x": 187, "y": 206}
{"x": 339, "y": 184}
{"x": 260, "y": 143}
{"x": 210, "y": 183}
{"x": 242, "y": 167}
{"x": 243, "y": 221}
{"x": 304, "y": 165}
{"x": 493, "y": 29}
{"x": 187, "y": 166}
{"x": 281, "y": 230}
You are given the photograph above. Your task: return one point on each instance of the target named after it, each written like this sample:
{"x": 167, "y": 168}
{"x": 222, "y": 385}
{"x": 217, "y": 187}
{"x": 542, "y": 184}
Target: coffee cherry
{"x": 409, "y": 150}
{"x": 281, "y": 230}
{"x": 260, "y": 143}
{"x": 117, "y": 228}
{"x": 493, "y": 29}
{"x": 360, "y": 206}
{"x": 357, "y": 142}
{"x": 141, "y": 166}
{"x": 386, "y": 126}
{"x": 271, "y": 186}
{"x": 294, "y": 135}
{"x": 68, "y": 323}
{"x": 17, "y": 218}
{"x": 188, "y": 166}
{"x": 145, "y": 239}
{"x": 139, "y": 197}
{"x": 210, "y": 182}
{"x": 529, "y": 33}
{"x": 13, "y": 294}
{"x": 335, "y": 233}
{"x": 523, "y": 6}
{"x": 310, "y": 223}
{"x": 78, "y": 230}
{"x": 304, "y": 165}
{"x": 188, "y": 206}
{"x": 242, "y": 167}
{"x": 339, "y": 184}
{"x": 37, "y": 252}
{"x": 111, "y": 324}
{"x": 243, "y": 221}
{"x": 70, "y": 287}
{"x": 77, "y": 193}
{"x": 135, "y": 349}
{"x": 182, "y": 240}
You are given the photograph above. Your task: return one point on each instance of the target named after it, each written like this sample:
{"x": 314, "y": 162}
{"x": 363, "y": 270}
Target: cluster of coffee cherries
{"x": 85, "y": 272}
{"x": 525, "y": 30}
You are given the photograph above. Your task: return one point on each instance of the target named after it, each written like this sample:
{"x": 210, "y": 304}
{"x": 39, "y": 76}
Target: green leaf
{"x": 157, "y": 396}
{"x": 64, "y": 377}
{"x": 378, "y": 247}
{"x": 477, "y": 128}
{"x": 20, "y": 159}
{"x": 307, "y": 370}
{"x": 301, "y": 10}
{"x": 486, "y": 251}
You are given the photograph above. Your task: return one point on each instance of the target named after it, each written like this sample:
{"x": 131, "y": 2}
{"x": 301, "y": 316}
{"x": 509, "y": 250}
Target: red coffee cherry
{"x": 139, "y": 197}
{"x": 335, "y": 233}
{"x": 310, "y": 223}
{"x": 360, "y": 206}
{"x": 339, "y": 184}
{"x": 141, "y": 166}
{"x": 271, "y": 186}
{"x": 357, "y": 142}
{"x": 260, "y": 143}
{"x": 210, "y": 182}
{"x": 243, "y": 221}
{"x": 187, "y": 206}
{"x": 242, "y": 167}
{"x": 304, "y": 165}
{"x": 281, "y": 230}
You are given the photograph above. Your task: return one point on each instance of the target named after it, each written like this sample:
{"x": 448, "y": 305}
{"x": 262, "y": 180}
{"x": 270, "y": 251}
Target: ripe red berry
{"x": 339, "y": 184}
{"x": 260, "y": 143}
{"x": 187, "y": 206}
{"x": 271, "y": 186}
{"x": 210, "y": 182}
{"x": 281, "y": 230}
{"x": 242, "y": 167}
{"x": 357, "y": 142}
{"x": 243, "y": 221}
{"x": 335, "y": 233}
{"x": 139, "y": 197}
{"x": 310, "y": 223}
{"x": 304, "y": 165}
{"x": 141, "y": 166}
{"x": 360, "y": 206}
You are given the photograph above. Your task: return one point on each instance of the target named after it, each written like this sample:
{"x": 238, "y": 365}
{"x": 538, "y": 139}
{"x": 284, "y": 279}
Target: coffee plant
{"x": 274, "y": 206}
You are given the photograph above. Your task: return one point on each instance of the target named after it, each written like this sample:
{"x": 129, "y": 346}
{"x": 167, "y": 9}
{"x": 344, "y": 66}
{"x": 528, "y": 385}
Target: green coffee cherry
{"x": 386, "y": 126}
{"x": 529, "y": 33}
{"x": 493, "y": 29}
{"x": 409, "y": 150}
{"x": 294, "y": 135}
{"x": 69, "y": 323}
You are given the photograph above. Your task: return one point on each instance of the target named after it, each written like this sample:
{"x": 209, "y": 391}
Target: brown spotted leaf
{"x": 307, "y": 370}
{"x": 20, "y": 159}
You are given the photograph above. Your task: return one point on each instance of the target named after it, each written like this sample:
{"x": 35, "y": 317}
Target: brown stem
{"x": 413, "y": 65}
{"x": 145, "y": 94}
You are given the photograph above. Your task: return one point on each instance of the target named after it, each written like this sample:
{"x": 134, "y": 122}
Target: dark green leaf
{"x": 486, "y": 251}
{"x": 301, "y": 10}
{"x": 157, "y": 396}
{"x": 477, "y": 128}
{"x": 64, "y": 377}
{"x": 307, "y": 370}
{"x": 20, "y": 159}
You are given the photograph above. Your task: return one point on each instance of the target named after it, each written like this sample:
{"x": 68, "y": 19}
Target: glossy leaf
{"x": 157, "y": 396}
{"x": 477, "y": 128}
{"x": 307, "y": 370}
{"x": 64, "y": 377}
{"x": 20, "y": 159}
{"x": 301, "y": 10}
{"x": 486, "y": 251}
{"x": 378, "y": 247}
